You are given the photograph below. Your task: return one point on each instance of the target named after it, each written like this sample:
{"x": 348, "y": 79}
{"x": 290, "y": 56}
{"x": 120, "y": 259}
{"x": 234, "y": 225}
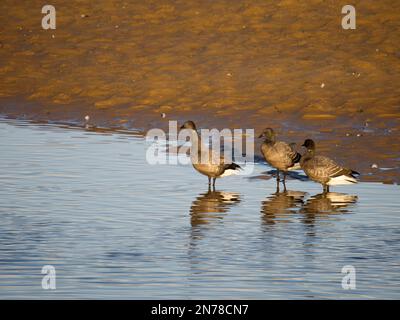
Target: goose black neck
{"x": 269, "y": 140}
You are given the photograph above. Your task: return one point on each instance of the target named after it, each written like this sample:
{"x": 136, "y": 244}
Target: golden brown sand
{"x": 286, "y": 64}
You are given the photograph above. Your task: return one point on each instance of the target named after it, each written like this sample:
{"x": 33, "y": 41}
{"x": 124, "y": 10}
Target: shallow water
{"x": 115, "y": 227}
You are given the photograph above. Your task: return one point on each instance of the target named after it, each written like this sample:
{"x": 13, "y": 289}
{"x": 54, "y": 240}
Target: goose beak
{"x": 261, "y": 135}
{"x": 181, "y": 127}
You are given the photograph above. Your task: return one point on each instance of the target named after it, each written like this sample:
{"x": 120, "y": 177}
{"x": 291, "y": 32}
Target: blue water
{"x": 116, "y": 227}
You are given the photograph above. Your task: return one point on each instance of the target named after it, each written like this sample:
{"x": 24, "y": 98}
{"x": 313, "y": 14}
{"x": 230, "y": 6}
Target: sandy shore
{"x": 248, "y": 64}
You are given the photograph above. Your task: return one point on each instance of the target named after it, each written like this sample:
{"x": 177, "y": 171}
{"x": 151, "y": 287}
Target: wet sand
{"x": 249, "y": 64}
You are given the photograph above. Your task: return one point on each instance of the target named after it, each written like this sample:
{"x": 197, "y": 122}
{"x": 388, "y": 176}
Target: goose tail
{"x": 296, "y": 161}
{"x": 355, "y": 174}
{"x": 343, "y": 179}
{"x": 231, "y": 169}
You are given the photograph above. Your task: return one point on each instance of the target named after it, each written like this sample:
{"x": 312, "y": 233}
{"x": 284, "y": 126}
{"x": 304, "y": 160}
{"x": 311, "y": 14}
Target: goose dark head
{"x": 309, "y": 144}
{"x": 268, "y": 134}
{"x": 188, "y": 125}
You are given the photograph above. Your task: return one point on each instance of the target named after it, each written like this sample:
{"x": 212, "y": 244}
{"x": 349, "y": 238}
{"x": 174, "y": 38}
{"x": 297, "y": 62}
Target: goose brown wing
{"x": 328, "y": 167}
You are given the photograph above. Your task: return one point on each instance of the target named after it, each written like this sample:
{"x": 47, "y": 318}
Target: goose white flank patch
{"x": 295, "y": 167}
{"x": 343, "y": 179}
{"x": 230, "y": 172}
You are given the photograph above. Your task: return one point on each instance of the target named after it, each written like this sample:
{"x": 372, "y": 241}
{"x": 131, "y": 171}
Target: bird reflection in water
{"x": 280, "y": 205}
{"x": 322, "y": 205}
{"x": 210, "y": 207}
{"x": 330, "y": 202}
{"x": 206, "y": 212}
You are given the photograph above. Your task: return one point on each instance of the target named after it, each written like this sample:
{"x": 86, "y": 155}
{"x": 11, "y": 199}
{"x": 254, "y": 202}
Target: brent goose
{"x": 279, "y": 154}
{"x": 323, "y": 169}
{"x": 211, "y": 169}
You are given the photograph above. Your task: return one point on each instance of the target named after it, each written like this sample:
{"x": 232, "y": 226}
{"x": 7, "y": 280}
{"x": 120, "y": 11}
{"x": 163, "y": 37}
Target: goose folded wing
{"x": 288, "y": 151}
{"x": 330, "y": 167}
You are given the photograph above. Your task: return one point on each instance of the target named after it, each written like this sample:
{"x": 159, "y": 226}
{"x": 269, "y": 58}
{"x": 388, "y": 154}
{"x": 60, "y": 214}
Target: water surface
{"x": 115, "y": 227}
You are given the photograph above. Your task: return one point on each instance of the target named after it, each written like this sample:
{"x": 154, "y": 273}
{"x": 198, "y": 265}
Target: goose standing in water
{"x": 323, "y": 169}
{"x": 279, "y": 154}
{"x": 209, "y": 168}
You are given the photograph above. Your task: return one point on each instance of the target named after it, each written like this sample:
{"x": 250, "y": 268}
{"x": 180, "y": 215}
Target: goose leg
{"x": 214, "y": 182}
{"x": 326, "y": 188}
{"x": 277, "y": 181}
{"x": 209, "y": 181}
{"x": 284, "y": 181}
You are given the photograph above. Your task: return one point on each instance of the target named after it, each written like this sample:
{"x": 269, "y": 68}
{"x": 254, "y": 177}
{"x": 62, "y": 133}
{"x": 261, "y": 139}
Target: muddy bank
{"x": 370, "y": 147}
{"x": 248, "y": 64}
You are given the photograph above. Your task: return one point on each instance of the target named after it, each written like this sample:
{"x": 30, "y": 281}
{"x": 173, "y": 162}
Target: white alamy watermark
{"x": 204, "y": 146}
{"x": 349, "y": 20}
{"x": 349, "y": 280}
{"x": 49, "y": 280}
{"x": 49, "y": 20}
